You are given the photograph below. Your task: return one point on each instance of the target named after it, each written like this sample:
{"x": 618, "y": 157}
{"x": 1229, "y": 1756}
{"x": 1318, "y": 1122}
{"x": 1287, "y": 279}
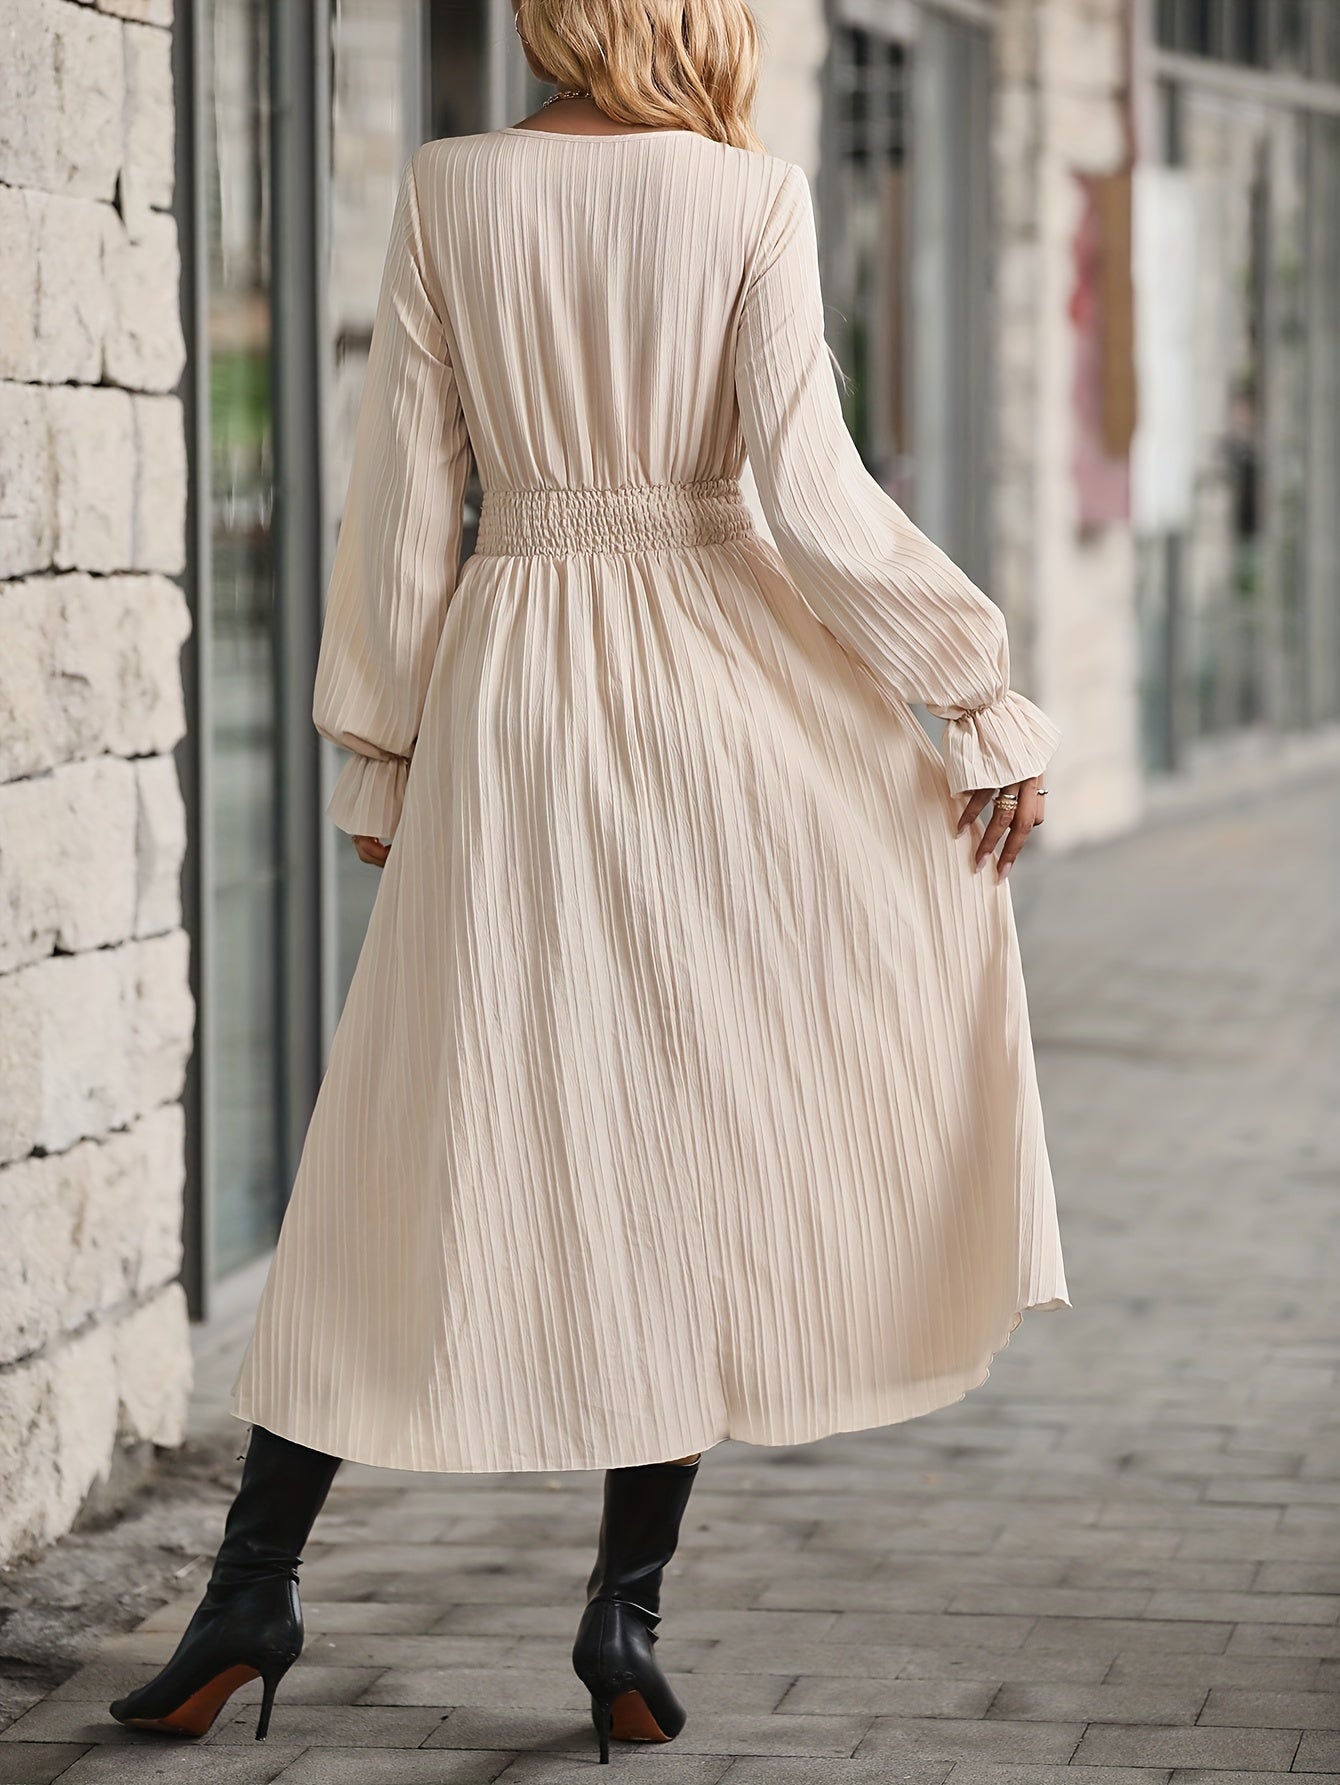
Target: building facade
{"x": 1081, "y": 268}
{"x": 96, "y": 1009}
{"x": 1238, "y": 526}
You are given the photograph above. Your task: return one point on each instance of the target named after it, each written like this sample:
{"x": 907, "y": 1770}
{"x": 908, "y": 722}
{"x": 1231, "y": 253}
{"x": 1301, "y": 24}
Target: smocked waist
{"x": 628, "y": 517}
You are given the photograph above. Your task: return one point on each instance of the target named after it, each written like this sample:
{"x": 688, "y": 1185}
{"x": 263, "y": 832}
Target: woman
{"x": 684, "y": 1087}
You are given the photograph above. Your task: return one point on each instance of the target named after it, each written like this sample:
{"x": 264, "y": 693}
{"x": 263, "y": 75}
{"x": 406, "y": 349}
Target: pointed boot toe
{"x": 248, "y": 1626}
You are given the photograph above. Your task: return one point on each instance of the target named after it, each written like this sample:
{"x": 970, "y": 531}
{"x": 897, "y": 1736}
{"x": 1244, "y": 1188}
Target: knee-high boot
{"x": 631, "y": 1699}
{"x": 249, "y": 1623}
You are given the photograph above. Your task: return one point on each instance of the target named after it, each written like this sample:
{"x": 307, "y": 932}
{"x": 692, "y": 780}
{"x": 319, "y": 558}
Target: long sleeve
{"x": 891, "y": 597}
{"x": 398, "y": 553}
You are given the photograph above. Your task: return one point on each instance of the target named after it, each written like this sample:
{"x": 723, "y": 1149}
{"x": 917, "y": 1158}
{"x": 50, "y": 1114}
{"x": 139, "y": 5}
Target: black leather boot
{"x": 249, "y": 1623}
{"x": 631, "y": 1699}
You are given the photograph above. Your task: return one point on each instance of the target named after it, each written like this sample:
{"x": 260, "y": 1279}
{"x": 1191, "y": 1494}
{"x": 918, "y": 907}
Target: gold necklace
{"x": 566, "y": 93}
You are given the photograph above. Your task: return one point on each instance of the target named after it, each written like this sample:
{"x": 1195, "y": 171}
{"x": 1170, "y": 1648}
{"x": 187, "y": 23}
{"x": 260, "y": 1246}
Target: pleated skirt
{"x": 684, "y": 1089}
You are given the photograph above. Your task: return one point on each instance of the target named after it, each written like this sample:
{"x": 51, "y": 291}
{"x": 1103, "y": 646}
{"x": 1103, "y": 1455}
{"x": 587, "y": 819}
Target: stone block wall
{"x": 96, "y": 1014}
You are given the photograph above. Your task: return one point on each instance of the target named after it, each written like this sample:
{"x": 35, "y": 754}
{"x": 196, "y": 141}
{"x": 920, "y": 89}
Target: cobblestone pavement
{"x": 1118, "y": 1561}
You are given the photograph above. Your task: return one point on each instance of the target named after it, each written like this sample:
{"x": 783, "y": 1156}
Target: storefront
{"x": 1240, "y": 588}
{"x": 284, "y": 207}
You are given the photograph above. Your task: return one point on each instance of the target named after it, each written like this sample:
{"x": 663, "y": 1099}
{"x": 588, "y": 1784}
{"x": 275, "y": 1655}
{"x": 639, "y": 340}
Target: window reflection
{"x": 903, "y": 228}
{"x": 378, "y": 118}
{"x": 1241, "y": 622}
{"x": 242, "y": 818}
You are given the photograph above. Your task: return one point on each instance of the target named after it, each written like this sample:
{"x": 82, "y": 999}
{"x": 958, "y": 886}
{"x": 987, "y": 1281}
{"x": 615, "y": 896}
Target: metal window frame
{"x": 902, "y": 20}
{"x": 954, "y": 371}
{"x": 300, "y": 60}
{"x": 967, "y": 12}
{"x": 1236, "y": 80}
{"x": 193, "y": 759}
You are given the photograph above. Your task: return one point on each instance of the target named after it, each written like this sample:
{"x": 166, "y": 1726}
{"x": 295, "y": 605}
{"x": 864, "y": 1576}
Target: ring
{"x": 1007, "y": 801}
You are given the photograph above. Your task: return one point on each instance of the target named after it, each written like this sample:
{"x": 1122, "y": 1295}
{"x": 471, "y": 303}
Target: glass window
{"x": 376, "y": 105}
{"x": 864, "y": 230}
{"x": 1242, "y": 608}
{"x": 458, "y": 50}
{"x": 903, "y": 231}
{"x": 1287, "y": 49}
{"x": 242, "y": 1122}
{"x": 1324, "y": 33}
{"x": 398, "y": 75}
{"x": 1243, "y": 32}
{"x": 952, "y": 354}
{"x": 1320, "y": 644}
{"x": 1290, "y": 36}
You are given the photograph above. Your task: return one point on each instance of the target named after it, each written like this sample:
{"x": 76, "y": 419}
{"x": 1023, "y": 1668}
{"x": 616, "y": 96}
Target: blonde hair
{"x": 677, "y": 64}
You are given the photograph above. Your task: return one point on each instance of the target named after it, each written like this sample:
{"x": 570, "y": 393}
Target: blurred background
{"x": 1082, "y": 265}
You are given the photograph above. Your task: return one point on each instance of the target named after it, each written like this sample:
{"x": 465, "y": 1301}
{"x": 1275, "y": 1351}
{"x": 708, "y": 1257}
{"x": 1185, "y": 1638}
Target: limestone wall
{"x": 96, "y": 1014}
{"x": 1070, "y": 593}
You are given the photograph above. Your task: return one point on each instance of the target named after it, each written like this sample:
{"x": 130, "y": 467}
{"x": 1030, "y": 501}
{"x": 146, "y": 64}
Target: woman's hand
{"x": 372, "y": 851}
{"x": 1017, "y": 810}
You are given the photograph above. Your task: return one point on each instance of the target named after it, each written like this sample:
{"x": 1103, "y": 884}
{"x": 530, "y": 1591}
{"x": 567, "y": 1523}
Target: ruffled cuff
{"x": 1009, "y": 741}
{"x": 369, "y": 793}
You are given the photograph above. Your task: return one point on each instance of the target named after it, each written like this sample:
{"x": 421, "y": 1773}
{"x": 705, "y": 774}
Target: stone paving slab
{"x": 1285, "y": 1639}
{"x": 1146, "y": 1701}
{"x": 1262, "y": 1672}
{"x": 686, "y": 1769}
{"x": 178, "y": 1763}
{"x": 1129, "y": 1744}
{"x": 911, "y": 1698}
{"x": 339, "y": 1726}
{"x": 104, "y": 1680}
{"x": 71, "y": 1720}
{"x": 1272, "y": 1710}
{"x": 364, "y": 1766}
{"x": 707, "y": 1733}
{"x": 39, "y": 1763}
{"x": 1115, "y": 1563}
{"x": 1200, "y": 1775}
{"x": 1319, "y": 1752}
{"x": 885, "y": 1770}
{"x": 973, "y": 1772}
{"x": 957, "y": 1738}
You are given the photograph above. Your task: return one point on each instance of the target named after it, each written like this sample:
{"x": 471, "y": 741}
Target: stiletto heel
{"x": 249, "y": 1624}
{"x": 631, "y": 1699}
{"x": 270, "y": 1682}
{"x": 602, "y": 1716}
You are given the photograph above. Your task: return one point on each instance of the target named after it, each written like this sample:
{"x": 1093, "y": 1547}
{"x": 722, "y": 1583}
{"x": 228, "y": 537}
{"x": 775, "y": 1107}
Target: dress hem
{"x": 935, "y": 1402}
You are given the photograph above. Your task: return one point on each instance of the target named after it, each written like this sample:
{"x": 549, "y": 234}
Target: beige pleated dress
{"x": 684, "y": 1089}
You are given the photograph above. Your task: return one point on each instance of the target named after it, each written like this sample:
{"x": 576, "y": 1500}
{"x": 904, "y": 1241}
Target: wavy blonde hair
{"x": 676, "y": 64}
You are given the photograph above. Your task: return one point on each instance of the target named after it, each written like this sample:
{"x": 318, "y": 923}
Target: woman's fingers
{"x": 977, "y": 804}
{"x": 372, "y": 851}
{"x": 1010, "y": 825}
{"x": 1025, "y": 817}
{"x": 996, "y": 829}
